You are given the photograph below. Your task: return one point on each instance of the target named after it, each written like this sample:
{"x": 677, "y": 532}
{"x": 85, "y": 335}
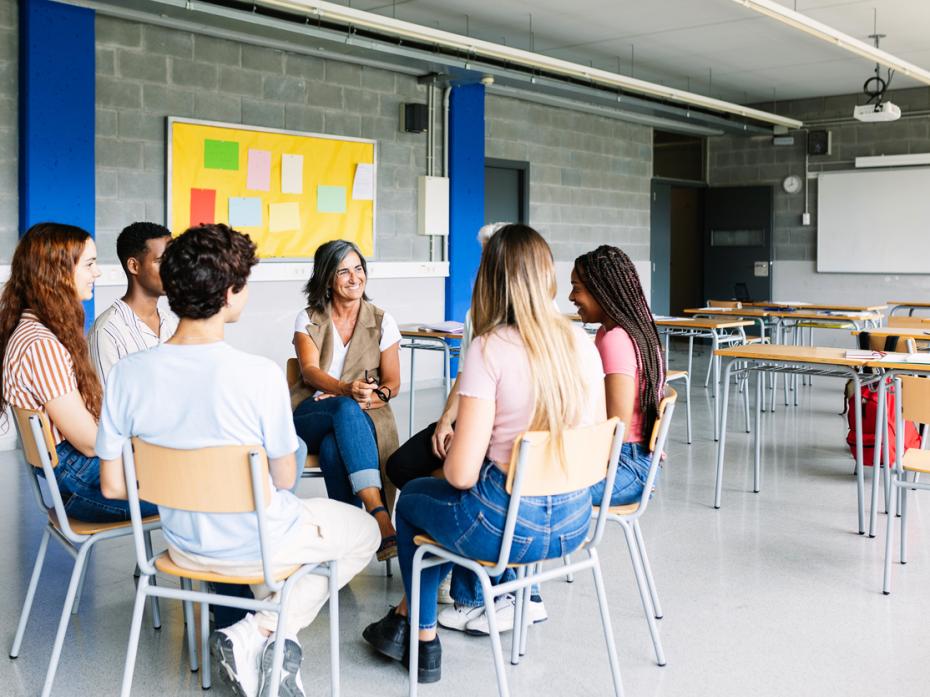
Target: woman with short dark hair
{"x": 348, "y": 351}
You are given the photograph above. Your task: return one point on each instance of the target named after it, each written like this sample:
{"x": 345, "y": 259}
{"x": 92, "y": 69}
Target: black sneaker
{"x": 429, "y": 664}
{"x": 390, "y": 635}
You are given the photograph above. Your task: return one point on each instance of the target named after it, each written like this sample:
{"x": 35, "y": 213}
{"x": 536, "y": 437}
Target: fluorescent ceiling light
{"x": 827, "y": 33}
{"x": 922, "y": 158}
{"x": 479, "y": 49}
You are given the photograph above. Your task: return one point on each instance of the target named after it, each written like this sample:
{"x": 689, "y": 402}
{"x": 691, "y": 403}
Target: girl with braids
{"x": 46, "y": 362}
{"x": 527, "y": 368}
{"x": 606, "y": 290}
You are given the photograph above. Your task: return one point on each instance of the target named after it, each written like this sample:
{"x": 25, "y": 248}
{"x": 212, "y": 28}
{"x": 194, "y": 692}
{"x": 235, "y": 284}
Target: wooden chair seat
{"x": 916, "y": 460}
{"x": 164, "y": 564}
{"x": 627, "y": 509}
{"x": 83, "y": 527}
{"x": 676, "y": 375}
{"x": 427, "y": 540}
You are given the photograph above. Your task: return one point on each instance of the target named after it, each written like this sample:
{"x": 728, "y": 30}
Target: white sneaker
{"x": 236, "y": 649}
{"x": 505, "y": 611}
{"x": 445, "y": 591}
{"x": 458, "y": 616}
{"x": 290, "y": 685}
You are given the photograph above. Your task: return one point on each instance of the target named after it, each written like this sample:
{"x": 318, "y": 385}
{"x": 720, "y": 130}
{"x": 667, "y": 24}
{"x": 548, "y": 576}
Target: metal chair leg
{"x": 643, "y": 593}
{"x": 524, "y": 631}
{"x": 80, "y": 589}
{"x": 79, "y": 562}
{"x": 647, "y": 569}
{"x": 334, "y": 627}
{"x": 517, "y": 619}
{"x": 688, "y": 404}
{"x": 502, "y": 687}
{"x": 187, "y": 585}
{"x": 30, "y": 594}
{"x": 156, "y": 613}
{"x": 134, "y": 629}
{"x": 605, "y": 621}
{"x": 205, "y": 674}
{"x": 889, "y": 535}
{"x": 904, "y": 518}
{"x": 566, "y": 560}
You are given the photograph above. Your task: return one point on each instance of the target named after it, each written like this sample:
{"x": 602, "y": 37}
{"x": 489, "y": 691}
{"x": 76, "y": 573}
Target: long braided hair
{"x": 611, "y": 278}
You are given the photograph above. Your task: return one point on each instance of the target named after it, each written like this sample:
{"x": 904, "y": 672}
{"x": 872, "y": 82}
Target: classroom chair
{"x": 912, "y": 403}
{"x": 225, "y": 479}
{"x": 312, "y": 466}
{"x": 628, "y": 517}
{"x": 78, "y": 537}
{"x": 672, "y": 376}
{"x": 592, "y": 455}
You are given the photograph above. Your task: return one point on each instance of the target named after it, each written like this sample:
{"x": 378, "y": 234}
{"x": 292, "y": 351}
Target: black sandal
{"x": 388, "y": 548}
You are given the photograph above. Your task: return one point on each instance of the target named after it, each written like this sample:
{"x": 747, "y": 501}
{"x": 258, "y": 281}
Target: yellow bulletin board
{"x": 289, "y": 191}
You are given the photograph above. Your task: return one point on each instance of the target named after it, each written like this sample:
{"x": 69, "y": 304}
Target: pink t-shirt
{"x": 618, "y": 354}
{"x": 497, "y": 369}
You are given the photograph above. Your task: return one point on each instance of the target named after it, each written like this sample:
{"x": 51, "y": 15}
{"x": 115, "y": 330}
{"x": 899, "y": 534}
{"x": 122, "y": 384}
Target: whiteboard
{"x": 875, "y": 221}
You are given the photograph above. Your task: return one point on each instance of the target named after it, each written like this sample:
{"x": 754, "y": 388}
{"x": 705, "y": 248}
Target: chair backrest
{"x": 587, "y": 451}
{"x": 888, "y": 343}
{"x": 292, "y": 370}
{"x": 915, "y": 399}
{"x": 668, "y": 401}
{"x": 205, "y": 480}
{"x": 30, "y": 447}
{"x": 732, "y": 304}
{"x": 909, "y": 322}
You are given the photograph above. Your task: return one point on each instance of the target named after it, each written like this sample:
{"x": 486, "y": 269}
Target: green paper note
{"x": 331, "y": 199}
{"x": 221, "y": 154}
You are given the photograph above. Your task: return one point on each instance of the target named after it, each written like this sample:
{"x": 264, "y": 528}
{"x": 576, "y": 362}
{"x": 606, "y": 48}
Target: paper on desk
{"x": 363, "y": 186}
{"x": 666, "y": 318}
{"x": 450, "y": 327}
{"x": 920, "y": 358}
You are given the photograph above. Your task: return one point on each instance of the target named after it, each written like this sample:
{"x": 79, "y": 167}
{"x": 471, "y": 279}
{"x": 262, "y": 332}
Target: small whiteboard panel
{"x": 875, "y": 221}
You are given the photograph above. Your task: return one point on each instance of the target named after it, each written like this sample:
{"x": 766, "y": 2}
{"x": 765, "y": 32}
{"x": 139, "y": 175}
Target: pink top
{"x": 497, "y": 369}
{"x": 618, "y": 354}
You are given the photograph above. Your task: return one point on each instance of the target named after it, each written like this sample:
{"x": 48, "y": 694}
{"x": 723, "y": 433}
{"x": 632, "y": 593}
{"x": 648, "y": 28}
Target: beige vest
{"x": 364, "y": 353}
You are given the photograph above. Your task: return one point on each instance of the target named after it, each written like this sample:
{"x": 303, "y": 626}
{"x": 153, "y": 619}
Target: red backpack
{"x": 869, "y": 414}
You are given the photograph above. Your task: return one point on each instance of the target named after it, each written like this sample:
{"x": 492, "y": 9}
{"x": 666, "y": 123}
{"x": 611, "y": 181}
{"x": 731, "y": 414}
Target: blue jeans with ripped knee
{"x": 471, "y": 523}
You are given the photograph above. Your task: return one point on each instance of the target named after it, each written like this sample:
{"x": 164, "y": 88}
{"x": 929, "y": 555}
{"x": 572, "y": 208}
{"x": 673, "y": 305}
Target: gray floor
{"x": 774, "y": 594}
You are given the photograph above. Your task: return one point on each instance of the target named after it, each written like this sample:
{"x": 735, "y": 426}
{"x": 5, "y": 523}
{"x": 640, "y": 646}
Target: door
{"x": 506, "y": 193}
{"x": 660, "y": 247}
{"x": 738, "y": 243}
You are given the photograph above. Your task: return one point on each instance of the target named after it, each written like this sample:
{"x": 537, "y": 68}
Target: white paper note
{"x": 292, "y": 174}
{"x": 363, "y": 187}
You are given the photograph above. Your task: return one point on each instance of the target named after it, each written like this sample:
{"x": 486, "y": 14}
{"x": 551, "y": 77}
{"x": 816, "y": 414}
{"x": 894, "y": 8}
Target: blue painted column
{"x": 466, "y": 195}
{"x": 56, "y": 117}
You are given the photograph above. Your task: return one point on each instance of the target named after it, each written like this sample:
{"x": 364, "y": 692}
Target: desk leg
{"x": 722, "y": 442}
{"x": 413, "y": 357}
{"x": 715, "y": 362}
{"x": 876, "y": 458}
{"x": 761, "y": 378}
{"x": 690, "y": 354}
{"x": 446, "y": 367}
{"x": 666, "y": 351}
{"x": 860, "y": 473}
{"x": 778, "y": 339}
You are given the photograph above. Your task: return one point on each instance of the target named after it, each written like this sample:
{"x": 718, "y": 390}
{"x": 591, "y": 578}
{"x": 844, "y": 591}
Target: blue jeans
{"x": 632, "y": 471}
{"x": 471, "y": 523}
{"x": 78, "y": 478}
{"x": 343, "y": 436}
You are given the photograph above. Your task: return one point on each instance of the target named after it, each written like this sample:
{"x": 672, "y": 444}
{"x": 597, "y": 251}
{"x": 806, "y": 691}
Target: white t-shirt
{"x": 390, "y": 335}
{"x": 201, "y": 396}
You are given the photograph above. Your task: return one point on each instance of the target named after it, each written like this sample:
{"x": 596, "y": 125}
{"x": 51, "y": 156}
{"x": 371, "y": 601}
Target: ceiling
{"x": 713, "y": 47}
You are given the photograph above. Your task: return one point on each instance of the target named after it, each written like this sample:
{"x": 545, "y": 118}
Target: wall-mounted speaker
{"x": 414, "y": 118}
{"x": 818, "y": 142}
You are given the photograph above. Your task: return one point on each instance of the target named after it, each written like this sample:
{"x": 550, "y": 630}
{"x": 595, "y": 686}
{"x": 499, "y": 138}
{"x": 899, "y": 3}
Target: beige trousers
{"x": 329, "y": 530}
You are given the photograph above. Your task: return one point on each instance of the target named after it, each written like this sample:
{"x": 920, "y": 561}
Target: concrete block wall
{"x": 146, "y": 73}
{"x": 736, "y": 161}
{"x": 9, "y": 206}
{"x": 589, "y": 175}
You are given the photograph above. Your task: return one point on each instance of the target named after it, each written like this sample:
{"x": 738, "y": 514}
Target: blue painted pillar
{"x": 466, "y": 195}
{"x": 56, "y": 116}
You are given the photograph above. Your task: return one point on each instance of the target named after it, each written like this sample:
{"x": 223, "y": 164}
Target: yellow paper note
{"x": 284, "y": 217}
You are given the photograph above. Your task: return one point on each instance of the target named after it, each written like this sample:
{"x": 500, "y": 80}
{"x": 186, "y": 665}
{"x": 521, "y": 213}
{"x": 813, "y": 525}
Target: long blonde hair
{"x": 515, "y": 287}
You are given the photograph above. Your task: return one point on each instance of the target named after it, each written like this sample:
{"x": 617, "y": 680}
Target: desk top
{"x": 732, "y": 311}
{"x": 703, "y": 323}
{"x": 838, "y": 316}
{"x": 792, "y": 354}
{"x": 904, "y": 332}
{"x": 910, "y": 303}
{"x": 412, "y": 332}
{"x": 815, "y": 306}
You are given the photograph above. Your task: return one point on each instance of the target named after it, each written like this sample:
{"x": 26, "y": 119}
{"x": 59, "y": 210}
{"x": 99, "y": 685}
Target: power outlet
{"x": 805, "y": 218}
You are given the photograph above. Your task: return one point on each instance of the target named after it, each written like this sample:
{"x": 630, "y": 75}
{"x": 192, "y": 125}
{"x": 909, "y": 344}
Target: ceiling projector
{"x": 877, "y": 113}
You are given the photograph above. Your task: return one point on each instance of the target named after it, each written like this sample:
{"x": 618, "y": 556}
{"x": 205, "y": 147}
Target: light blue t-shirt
{"x": 200, "y": 396}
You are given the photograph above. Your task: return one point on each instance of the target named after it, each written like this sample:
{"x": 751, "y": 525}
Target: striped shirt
{"x": 37, "y": 367}
{"x": 119, "y": 331}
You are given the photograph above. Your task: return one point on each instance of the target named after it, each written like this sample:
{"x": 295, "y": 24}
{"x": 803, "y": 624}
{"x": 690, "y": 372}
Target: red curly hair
{"x": 42, "y": 281}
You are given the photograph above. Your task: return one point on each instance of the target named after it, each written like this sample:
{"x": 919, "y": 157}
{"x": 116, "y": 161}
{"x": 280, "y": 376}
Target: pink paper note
{"x": 259, "y": 176}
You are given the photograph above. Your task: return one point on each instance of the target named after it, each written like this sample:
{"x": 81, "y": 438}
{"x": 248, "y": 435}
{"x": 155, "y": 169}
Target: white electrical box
{"x": 433, "y": 206}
